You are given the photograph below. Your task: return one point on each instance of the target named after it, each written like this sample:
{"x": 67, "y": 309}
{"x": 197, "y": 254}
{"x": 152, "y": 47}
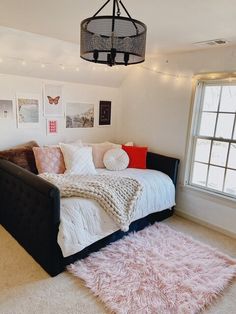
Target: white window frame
{"x": 198, "y": 96}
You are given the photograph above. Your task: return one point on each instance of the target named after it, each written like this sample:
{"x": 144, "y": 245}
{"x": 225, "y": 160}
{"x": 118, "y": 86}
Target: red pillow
{"x": 137, "y": 156}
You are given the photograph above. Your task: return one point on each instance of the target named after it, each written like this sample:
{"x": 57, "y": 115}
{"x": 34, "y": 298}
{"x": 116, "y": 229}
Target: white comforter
{"x": 84, "y": 222}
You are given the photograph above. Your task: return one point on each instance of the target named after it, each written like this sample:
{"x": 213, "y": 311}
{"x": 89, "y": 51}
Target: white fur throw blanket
{"x": 116, "y": 195}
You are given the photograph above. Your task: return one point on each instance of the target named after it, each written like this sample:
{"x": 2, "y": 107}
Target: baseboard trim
{"x": 182, "y": 214}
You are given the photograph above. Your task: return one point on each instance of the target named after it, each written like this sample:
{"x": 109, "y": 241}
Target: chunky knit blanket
{"x": 118, "y": 196}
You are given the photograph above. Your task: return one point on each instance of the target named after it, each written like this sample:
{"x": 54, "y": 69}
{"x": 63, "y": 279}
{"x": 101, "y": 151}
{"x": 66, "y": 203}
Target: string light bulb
{"x": 62, "y": 67}
{"x": 1, "y": 61}
{"x": 43, "y": 65}
{"x": 77, "y": 69}
{"x": 23, "y": 63}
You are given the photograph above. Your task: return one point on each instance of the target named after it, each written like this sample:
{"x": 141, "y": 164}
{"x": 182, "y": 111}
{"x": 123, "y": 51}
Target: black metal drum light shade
{"x": 113, "y": 40}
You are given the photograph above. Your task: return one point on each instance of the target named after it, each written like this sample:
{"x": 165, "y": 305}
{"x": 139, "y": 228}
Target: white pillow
{"x": 116, "y": 159}
{"x": 78, "y": 159}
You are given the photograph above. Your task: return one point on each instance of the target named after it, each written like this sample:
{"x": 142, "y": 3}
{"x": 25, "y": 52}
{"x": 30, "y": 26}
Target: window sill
{"x": 210, "y": 195}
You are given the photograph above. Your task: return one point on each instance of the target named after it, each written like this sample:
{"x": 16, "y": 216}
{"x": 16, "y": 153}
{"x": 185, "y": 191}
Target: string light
{"x": 227, "y": 76}
{"x": 164, "y": 74}
{"x": 77, "y": 69}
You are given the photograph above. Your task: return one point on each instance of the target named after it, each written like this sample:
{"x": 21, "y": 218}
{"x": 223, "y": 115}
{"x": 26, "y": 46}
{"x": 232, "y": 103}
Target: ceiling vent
{"x": 213, "y": 42}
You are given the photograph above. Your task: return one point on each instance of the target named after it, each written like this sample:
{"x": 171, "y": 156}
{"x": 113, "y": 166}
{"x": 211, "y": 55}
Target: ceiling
{"x": 172, "y": 25}
{"x": 48, "y": 31}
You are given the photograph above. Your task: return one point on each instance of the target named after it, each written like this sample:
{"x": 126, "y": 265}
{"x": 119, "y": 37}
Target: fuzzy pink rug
{"x": 156, "y": 271}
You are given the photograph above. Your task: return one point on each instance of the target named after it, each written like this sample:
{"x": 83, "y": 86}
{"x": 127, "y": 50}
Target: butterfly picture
{"x": 53, "y": 101}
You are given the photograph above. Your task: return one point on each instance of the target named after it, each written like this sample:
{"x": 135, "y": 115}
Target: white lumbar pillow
{"x": 116, "y": 159}
{"x": 78, "y": 159}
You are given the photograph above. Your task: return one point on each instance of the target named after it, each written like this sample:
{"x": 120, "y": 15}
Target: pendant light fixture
{"x": 113, "y": 39}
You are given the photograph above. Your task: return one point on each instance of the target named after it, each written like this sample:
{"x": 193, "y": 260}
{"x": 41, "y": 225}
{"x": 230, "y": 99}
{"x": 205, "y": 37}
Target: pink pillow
{"x": 49, "y": 159}
{"x": 98, "y": 153}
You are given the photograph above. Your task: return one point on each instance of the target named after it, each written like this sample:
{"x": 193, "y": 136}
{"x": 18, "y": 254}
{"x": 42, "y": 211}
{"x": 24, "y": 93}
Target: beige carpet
{"x": 26, "y": 288}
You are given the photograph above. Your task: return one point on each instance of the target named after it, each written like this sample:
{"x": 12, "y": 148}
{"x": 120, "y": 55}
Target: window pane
{"x": 225, "y": 125}
{"x": 202, "y": 150}
{"x": 230, "y": 182}
{"x": 216, "y": 178}
{"x": 207, "y": 125}
{"x": 228, "y": 99}
{"x": 232, "y": 156}
{"x": 219, "y": 153}
{"x": 211, "y": 98}
{"x": 199, "y": 174}
{"x": 235, "y": 133}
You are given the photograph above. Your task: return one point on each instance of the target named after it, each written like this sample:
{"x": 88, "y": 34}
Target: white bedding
{"x": 84, "y": 222}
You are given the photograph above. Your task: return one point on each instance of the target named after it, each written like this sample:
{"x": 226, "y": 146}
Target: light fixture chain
{"x": 101, "y": 8}
{"x": 118, "y": 8}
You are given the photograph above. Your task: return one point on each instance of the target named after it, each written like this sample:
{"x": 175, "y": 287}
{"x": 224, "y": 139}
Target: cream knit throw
{"x": 116, "y": 195}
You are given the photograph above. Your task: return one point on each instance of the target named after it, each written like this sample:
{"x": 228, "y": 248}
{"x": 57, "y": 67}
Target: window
{"x": 213, "y": 139}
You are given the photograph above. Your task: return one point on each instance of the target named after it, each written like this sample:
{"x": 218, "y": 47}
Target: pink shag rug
{"x": 156, "y": 270}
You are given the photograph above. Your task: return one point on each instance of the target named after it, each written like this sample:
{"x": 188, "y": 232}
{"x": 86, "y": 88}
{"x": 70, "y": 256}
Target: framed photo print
{"x": 28, "y": 109}
{"x": 53, "y": 105}
{"x": 52, "y": 126}
{"x": 6, "y": 109}
{"x": 105, "y": 112}
{"x": 79, "y": 115}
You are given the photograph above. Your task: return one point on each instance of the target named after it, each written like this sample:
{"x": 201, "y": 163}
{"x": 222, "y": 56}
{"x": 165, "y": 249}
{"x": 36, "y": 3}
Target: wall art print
{"x": 79, "y": 115}
{"x": 52, "y": 126}
{"x": 105, "y": 112}
{"x": 53, "y": 104}
{"x": 6, "y": 109}
{"x": 28, "y": 110}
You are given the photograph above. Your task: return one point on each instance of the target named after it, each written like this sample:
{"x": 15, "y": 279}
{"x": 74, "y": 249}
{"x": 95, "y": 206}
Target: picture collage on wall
{"x": 30, "y": 107}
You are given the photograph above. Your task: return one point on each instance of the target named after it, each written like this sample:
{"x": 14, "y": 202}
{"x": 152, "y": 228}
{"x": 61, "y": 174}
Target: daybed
{"x": 30, "y": 212}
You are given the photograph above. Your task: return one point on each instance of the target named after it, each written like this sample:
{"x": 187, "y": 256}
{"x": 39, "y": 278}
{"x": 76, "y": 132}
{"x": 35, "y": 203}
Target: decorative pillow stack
{"x": 76, "y": 157}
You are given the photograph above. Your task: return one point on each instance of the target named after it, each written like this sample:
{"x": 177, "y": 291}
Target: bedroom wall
{"x": 156, "y": 111}
{"x": 72, "y": 92}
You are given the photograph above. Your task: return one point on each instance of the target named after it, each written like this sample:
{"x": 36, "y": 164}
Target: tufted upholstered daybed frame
{"x": 30, "y": 212}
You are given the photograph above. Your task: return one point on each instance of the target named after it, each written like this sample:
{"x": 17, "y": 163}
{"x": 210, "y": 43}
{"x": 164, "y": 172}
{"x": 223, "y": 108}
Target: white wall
{"x": 156, "y": 113}
{"x": 72, "y": 92}
{"x": 148, "y": 109}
